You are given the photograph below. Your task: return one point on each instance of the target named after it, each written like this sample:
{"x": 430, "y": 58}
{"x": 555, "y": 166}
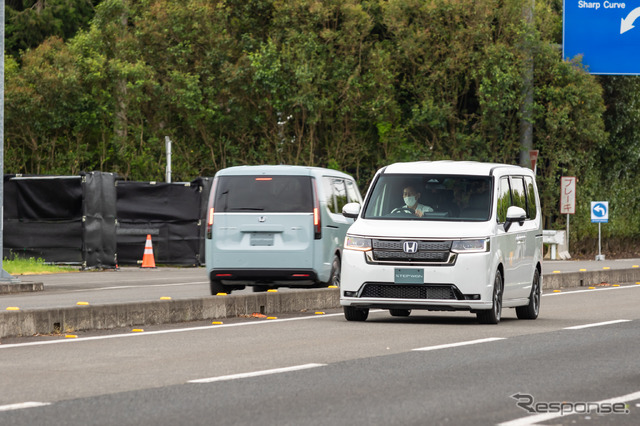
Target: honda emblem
{"x": 262, "y": 219}
{"x": 410, "y": 247}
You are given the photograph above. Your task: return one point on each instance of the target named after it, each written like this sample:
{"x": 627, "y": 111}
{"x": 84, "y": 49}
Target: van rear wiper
{"x": 249, "y": 208}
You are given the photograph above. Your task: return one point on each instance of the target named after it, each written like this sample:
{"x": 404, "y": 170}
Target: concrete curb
{"x": 101, "y": 317}
{"x": 589, "y": 278}
{"x": 11, "y": 288}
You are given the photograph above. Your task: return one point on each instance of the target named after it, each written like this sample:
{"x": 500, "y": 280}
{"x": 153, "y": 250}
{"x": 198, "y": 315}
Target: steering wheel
{"x": 401, "y": 211}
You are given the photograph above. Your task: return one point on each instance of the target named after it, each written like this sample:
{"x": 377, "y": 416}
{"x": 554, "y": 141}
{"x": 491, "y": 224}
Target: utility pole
{"x": 4, "y": 276}
{"x": 526, "y": 122}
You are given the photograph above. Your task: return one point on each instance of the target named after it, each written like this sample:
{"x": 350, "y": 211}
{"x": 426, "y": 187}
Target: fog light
{"x": 350, "y": 293}
{"x": 471, "y": 297}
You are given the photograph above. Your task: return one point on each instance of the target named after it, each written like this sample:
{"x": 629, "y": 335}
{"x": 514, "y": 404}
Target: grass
{"x": 31, "y": 266}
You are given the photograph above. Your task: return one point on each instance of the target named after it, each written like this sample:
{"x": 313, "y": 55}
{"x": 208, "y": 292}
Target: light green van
{"x": 276, "y": 226}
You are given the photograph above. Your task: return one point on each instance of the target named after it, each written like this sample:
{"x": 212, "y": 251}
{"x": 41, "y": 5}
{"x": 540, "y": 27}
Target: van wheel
{"x": 218, "y": 287}
{"x": 334, "y": 279}
{"x": 355, "y": 314}
{"x": 400, "y": 312}
{"x": 492, "y": 316}
{"x": 531, "y": 310}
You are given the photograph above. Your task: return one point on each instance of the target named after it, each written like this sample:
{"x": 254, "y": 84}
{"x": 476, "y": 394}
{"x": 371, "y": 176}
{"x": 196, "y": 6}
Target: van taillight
{"x": 210, "y": 209}
{"x": 317, "y": 221}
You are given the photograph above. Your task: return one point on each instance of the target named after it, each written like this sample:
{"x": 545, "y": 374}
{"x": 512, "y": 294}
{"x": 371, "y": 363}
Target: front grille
{"x": 408, "y": 291}
{"x": 427, "y": 251}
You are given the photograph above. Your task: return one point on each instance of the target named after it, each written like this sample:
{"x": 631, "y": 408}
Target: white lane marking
{"x": 532, "y": 420}
{"x": 591, "y": 291}
{"x": 147, "y": 333}
{"x": 23, "y": 405}
{"x": 453, "y": 345}
{"x": 256, "y": 373}
{"x": 596, "y": 324}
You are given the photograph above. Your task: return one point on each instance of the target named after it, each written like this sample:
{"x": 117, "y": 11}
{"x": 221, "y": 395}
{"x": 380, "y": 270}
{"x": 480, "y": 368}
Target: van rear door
{"x": 264, "y": 222}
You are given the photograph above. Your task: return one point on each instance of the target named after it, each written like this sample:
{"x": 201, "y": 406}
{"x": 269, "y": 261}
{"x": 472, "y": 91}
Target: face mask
{"x": 410, "y": 201}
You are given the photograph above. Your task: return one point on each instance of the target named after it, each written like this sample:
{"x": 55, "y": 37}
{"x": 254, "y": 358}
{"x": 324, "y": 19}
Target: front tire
{"x": 355, "y": 314}
{"x": 531, "y": 310}
{"x": 334, "y": 278}
{"x": 493, "y": 315}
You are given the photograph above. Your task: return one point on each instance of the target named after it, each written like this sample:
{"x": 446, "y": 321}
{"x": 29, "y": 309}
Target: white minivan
{"x": 276, "y": 226}
{"x": 445, "y": 236}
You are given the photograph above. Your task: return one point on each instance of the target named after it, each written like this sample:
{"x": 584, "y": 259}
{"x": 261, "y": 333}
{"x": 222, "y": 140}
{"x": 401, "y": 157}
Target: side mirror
{"x": 514, "y": 214}
{"x": 351, "y": 210}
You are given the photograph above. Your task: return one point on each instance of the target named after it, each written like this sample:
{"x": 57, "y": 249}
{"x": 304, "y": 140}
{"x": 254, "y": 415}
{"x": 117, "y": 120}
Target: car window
{"x": 531, "y": 198}
{"x": 518, "y": 192}
{"x": 284, "y": 194}
{"x": 437, "y": 197}
{"x": 504, "y": 199}
{"x": 352, "y": 192}
{"x": 336, "y": 194}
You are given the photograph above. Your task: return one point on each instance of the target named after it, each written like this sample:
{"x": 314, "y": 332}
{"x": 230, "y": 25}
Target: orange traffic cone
{"x": 147, "y": 258}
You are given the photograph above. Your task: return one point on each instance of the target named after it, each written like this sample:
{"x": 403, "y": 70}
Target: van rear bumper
{"x": 280, "y": 276}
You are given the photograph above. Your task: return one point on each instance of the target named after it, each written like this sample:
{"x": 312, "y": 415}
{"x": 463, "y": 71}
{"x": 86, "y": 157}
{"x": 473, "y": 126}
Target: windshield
{"x": 268, "y": 194}
{"x": 430, "y": 197}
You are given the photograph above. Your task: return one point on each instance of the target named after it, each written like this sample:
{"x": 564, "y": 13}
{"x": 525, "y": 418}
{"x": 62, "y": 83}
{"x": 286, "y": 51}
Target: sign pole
{"x": 599, "y": 241}
{"x": 568, "y": 216}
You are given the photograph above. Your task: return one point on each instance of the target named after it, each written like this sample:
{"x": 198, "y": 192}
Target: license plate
{"x": 261, "y": 239}
{"x": 409, "y": 276}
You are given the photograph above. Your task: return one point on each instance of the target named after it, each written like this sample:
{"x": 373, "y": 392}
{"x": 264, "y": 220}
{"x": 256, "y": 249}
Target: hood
{"x": 422, "y": 229}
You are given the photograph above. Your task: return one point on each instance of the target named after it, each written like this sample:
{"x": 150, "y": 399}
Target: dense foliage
{"x": 347, "y": 84}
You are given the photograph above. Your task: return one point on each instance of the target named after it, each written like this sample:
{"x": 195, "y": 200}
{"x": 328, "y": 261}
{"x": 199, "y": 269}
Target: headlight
{"x": 470, "y": 246}
{"x": 357, "y": 243}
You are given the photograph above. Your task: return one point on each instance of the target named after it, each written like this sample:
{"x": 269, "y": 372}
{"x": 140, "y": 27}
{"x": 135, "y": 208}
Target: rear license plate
{"x": 409, "y": 276}
{"x": 261, "y": 239}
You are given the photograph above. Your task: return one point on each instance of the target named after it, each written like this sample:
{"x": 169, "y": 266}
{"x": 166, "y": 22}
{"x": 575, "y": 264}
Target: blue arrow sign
{"x": 605, "y": 33}
{"x": 600, "y": 211}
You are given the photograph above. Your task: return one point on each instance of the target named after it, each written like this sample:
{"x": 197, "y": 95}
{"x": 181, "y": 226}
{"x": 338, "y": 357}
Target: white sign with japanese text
{"x": 568, "y": 195}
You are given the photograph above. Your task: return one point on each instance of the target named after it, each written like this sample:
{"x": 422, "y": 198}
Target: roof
{"x": 452, "y": 168}
{"x": 278, "y": 170}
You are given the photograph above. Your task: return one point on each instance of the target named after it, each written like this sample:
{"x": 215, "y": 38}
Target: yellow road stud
{"x": 583, "y": 270}
{"x": 70, "y": 336}
{"x": 137, "y": 330}
{"x": 165, "y": 298}
{"x": 606, "y": 267}
{"x": 82, "y": 303}
{"x": 333, "y": 286}
{"x": 272, "y": 318}
{"x": 556, "y": 272}
{"x": 221, "y": 294}
{"x": 635, "y": 266}
{"x": 272, "y": 290}
{"x": 319, "y": 313}
{"x": 616, "y": 285}
{"x": 15, "y": 308}
{"x": 592, "y": 288}
{"x": 557, "y": 291}
{"x": 217, "y": 323}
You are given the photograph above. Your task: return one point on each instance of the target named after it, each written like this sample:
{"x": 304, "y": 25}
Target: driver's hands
{"x": 418, "y": 213}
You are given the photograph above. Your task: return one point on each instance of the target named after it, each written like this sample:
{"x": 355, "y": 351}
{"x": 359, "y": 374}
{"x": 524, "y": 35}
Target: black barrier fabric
{"x": 170, "y": 212}
{"x": 99, "y": 220}
{"x": 61, "y": 219}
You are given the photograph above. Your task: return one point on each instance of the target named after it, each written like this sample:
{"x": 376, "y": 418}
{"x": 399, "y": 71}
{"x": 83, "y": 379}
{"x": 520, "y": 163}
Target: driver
{"x": 411, "y": 197}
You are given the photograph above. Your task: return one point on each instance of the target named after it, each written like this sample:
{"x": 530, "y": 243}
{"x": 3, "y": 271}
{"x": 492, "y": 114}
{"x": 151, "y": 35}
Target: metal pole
{"x": 599, "y": 241}
{"x": 167, "y": 142}
{"x": 4, "y": 276}
{"x": 526, "y": 122}
{"x": 568, "y": 216}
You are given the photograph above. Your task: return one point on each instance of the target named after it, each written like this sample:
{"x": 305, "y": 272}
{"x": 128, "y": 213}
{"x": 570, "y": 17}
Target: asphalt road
{"x": 429, "y": 368}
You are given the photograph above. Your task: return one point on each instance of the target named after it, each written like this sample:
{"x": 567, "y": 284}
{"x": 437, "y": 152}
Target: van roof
{"x": 450, "y": 167}
{"x": 279, "y": 170}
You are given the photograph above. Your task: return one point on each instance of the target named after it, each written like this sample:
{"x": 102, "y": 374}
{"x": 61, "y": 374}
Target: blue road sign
{"x": 599, "y": 211}
{"x": 606, "y": 33}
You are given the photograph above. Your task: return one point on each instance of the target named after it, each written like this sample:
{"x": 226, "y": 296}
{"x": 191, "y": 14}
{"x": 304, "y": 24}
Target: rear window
{"x": 271, "y": 194}
{"x": 438, "y": 197}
